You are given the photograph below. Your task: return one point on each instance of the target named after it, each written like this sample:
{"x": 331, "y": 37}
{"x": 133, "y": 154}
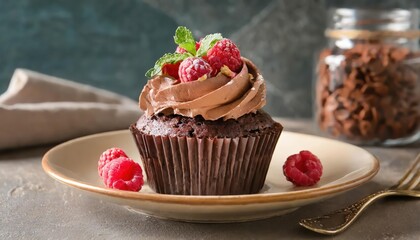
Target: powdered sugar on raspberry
{"x": 303, "y": 169}
{"x": 194, "y": 68}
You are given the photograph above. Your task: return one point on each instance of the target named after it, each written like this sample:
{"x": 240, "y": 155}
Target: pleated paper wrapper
{"x": 206, "y": 166}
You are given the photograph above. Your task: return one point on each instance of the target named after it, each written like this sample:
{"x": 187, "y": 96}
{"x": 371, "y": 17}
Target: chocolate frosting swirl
{"x": 213, "y": 98}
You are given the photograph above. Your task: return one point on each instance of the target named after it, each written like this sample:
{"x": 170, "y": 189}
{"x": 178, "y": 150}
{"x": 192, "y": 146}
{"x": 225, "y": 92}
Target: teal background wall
{"x": 111, "y": 43}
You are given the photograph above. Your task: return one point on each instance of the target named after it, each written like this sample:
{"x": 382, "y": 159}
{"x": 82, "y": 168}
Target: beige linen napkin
{"x": 40, "y": 109}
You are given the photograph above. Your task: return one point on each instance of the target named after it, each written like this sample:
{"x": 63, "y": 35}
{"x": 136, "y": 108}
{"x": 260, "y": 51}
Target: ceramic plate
{"x": 345, "y": 167}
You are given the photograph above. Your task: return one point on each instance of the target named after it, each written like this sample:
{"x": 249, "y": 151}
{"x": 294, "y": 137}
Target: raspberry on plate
{"x": 194, "y": 68}
{"x": 109, "y": 155}
{"x": 124, "y": 174}
{"x": 303, "y": 169}
{"x": 225, "y": 52}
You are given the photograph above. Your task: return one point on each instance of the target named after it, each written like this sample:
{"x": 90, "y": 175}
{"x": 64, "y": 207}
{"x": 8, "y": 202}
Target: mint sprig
{"x": 208, "y": 42}
{"x": 168, "y": 58}
{"x": 184, "y": 38}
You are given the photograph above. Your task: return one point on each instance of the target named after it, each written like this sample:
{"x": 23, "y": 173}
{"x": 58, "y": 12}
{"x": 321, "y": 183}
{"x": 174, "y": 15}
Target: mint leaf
{"x": 150, "y": 73}
{"x": 208, "y": 42}
{"x": 167, "y": 58}
{"x": 184, "y": 38}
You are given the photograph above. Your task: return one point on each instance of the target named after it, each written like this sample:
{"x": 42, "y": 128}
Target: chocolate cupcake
{"x": 203, "y": 131}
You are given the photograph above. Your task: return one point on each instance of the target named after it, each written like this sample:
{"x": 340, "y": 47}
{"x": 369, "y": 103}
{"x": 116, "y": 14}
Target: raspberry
{"x": 109, "y": 155}
{"x": 224, "y": 52}
{"x": 124, "y": 174}
{"x": 194, "y": 68}
{"x": 171, "y": 69}
{"x": 303, "y": 169}
{"x": 181, "y": 50}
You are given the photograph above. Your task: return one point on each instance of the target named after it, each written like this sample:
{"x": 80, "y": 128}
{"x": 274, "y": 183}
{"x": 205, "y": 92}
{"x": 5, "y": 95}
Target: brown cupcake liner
{"x": 206, "y": 166}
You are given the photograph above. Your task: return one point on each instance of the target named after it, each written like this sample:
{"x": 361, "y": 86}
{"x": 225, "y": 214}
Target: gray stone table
{"x": 34, "y": 206}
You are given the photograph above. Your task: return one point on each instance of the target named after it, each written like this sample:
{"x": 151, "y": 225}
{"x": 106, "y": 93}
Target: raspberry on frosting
{"x": 194, "y": 68}
{"x": 225, "y": 52}
{"x": 171, "y": 69}
{"x": 303, "y": 169}
{"x": 212, "y": 50}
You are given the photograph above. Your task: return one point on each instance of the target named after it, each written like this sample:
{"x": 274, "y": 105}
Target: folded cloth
{"x": 39, "y": 109}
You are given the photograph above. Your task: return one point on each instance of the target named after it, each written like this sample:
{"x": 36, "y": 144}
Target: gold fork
{"x": 338, "y": 221}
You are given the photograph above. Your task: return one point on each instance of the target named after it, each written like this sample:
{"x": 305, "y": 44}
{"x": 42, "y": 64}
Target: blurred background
{"x": 111, "y": 43}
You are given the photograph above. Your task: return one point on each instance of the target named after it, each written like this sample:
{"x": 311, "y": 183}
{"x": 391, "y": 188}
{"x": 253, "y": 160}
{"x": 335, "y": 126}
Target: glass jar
{"x": 367, "y": 88}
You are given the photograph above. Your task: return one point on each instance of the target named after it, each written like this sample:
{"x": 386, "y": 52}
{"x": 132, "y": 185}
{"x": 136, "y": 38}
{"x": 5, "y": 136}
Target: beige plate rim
{"x": 206, "y": 200}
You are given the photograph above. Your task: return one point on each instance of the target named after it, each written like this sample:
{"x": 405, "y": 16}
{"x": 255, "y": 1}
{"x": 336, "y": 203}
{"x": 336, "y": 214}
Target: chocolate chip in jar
{"x": 367, "y": 83}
